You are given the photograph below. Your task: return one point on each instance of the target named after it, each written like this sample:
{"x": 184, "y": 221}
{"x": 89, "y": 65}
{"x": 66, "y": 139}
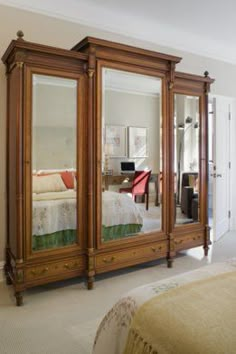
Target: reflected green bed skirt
{"x": 119, "y": 231}
{"x": 55, "y": 240}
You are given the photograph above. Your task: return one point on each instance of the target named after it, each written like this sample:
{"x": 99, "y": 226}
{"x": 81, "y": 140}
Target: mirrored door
{"x": 54, "y": 162}
{"x": 131, "y": 154}
{"x": 186, "y": 159}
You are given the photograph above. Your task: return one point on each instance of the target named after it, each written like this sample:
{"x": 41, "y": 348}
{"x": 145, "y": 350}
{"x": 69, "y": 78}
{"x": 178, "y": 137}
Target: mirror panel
{"x": 186, "y": 159}
{"x": 131, "y": 154}
{"x": 54, "y": 161}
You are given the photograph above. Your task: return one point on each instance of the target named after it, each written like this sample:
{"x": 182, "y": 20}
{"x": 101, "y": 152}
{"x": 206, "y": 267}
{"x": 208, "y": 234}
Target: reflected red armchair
{"x": 140, "y": 186}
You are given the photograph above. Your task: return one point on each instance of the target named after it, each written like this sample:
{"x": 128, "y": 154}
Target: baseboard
{"x": 1, "y": 271}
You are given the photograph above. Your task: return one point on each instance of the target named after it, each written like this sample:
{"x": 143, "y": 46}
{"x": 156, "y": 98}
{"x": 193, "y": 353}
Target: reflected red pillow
{"x": 68, "y": 179}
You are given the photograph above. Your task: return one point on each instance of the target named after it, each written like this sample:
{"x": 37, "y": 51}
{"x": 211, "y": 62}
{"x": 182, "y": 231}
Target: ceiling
{"x": 205, "y": 27}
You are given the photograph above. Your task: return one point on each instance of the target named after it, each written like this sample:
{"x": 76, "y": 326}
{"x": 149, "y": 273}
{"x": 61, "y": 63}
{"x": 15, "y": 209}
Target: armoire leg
{"x": 90, "y": 283}
{"x": 170, "y": 262}
{"x": 19, "y": 298}
{"x": 8, "y": 279}
{"x": 7, "y": 268}
{"x": 206, "y": 248}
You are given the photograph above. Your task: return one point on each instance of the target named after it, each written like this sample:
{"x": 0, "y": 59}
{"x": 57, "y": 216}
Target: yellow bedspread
{"x": 197, "y": 318}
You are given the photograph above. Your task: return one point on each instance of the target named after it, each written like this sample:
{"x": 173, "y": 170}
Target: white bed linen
{"x": 119, "y": 209}
{"x": 113, "y": 331}
{"x": 54, "y": 211}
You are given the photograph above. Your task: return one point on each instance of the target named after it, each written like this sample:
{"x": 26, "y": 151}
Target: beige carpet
{"x": 62, "y": 318}
{"x": 152, "y": 217}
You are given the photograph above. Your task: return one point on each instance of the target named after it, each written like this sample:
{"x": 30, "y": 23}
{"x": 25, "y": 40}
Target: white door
{"x": 221, "y": 166}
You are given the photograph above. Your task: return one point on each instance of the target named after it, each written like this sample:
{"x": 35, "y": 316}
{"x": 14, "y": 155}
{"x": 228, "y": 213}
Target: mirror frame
{"x": 199, "y": 157}
{"x": 80, "y": 161}
{"x": 139, "y": 238}
{"x": 192, "y": 85}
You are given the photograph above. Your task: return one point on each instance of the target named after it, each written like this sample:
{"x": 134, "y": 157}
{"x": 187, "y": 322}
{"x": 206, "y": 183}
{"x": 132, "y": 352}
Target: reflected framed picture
{"x": 115, "y": 141}
{"x": 138, "y": 142}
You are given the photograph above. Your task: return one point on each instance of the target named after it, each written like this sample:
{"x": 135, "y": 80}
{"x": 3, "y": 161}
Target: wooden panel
{"x": 13, "y": 152}
{"x": 188, "y": 241}
{"x": 47, "y": 270}
{"x": 115, "y": 260}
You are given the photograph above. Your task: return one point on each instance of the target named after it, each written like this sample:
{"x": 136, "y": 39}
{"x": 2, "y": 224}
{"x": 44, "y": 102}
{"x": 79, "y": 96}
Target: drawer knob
{"x": 178, "y": 242}
{"x": 156, "y": 249}
{"x": 70, "y": 266}
{"x": 35, "y": 273}
{"x": 105, "y": 260}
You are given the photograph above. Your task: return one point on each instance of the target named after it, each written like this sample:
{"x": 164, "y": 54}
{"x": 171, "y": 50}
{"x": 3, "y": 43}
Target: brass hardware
{"x": 105, "y": 260}
{"x": 91, "y": 263}
{"x": 71, "y": 266}
{"x": 19, "y": 275}
{"x": 35, "y": 273}
{"x": 19, "y": 64}
{"x": 90, "y": 73}
{"x": 154, "y": 249}
{"x": 178, "y": 242}
{"x": 20, "y": 34}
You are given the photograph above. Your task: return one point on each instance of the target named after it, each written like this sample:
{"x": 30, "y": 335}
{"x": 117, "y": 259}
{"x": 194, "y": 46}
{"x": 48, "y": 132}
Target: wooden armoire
{"x": 73, "y": 117}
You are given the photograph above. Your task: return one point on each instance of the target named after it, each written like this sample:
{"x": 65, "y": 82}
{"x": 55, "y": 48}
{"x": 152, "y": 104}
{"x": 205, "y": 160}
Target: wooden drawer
{"x": 53, "y": 269}
{"x": 188, "y": 241}
{"x": 129, "y": 257}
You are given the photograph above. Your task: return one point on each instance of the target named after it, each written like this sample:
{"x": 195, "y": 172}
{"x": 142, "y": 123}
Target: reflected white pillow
{"x": 50, "y": 183}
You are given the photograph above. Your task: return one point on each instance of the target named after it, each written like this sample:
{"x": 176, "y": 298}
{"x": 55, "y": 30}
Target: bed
{"x": 54, "y": 218}
{"x": 120, "y": 216}
{"x": 154, "y": 318}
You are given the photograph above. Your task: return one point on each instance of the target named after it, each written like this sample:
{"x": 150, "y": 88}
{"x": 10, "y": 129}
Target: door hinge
{"x": 229, "y": 214}
{"x": 229, "y": 164}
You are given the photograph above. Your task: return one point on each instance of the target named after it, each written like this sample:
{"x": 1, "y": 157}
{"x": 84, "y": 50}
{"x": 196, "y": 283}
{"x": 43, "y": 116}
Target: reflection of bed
{"x": 54, "y": 219}
{"x": 120, "y": 216}
{"x": 165, "y": 317}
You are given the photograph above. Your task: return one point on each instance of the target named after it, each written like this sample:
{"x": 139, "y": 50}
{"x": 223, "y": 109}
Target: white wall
{"x": 135, "y": 110}
{"x": 51, "y": 31}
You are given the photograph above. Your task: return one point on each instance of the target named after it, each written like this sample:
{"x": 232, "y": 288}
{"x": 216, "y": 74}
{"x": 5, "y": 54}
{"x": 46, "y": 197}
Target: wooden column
{"x": 91, "y": 174}
{"x": 170, "y": 165}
